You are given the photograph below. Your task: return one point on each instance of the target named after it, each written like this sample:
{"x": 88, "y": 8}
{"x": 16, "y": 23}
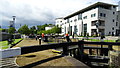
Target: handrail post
{"x": 39, "y": 41}
{"x": 90, "y": 51}
{"x": 110, "y": 47}
{"x": 101, "y": 49}
{"x": 81, "y": 49}
{"x": 65, "y": 50}
{"x": 74, "y": 53}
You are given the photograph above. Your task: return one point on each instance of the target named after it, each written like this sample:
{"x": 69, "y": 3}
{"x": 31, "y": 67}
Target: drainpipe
{"x": 97, "y": 24}
{"x": 82, "y": 27}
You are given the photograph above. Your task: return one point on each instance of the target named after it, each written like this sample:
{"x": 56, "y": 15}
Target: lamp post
{"x": 75, "y": 27}
{"x": 82, "y": 28}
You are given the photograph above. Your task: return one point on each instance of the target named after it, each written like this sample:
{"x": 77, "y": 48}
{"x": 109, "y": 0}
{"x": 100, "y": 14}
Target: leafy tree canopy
{"x": 11, "y": 30}
{"x": 42, "y": 27}
{"x": 33, "y": 30}
{"x": 24, "y": 30}
{"x": 3, "y": 30}
{"x": 54, "y": 30}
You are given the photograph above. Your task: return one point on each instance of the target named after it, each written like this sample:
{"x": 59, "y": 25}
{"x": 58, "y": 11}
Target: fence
{"x": 66, "y": 50}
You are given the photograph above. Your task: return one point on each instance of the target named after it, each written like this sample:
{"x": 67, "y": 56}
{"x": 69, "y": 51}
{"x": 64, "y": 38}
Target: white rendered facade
{"x": 59, "y": 21}
{"x": 48, "y": 28}
{"x": 85, "y": 21}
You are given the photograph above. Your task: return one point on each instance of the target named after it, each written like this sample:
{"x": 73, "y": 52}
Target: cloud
{"x": 36, "y": 12}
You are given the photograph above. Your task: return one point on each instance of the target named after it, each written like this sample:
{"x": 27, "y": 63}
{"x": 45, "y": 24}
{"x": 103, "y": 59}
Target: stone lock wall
{"x": 114, "y": 58}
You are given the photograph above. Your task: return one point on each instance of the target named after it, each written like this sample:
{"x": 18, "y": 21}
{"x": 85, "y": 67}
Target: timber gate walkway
{"x": 30, "y": 54}
{"x": 25, "y": 60}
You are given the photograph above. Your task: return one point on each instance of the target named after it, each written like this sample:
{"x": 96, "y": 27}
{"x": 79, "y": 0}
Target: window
{"x": 112, "y": 28}
{"x": 101, "y": 14}
{"x": 113, "y": 6}
{"x": 80, "y": 17}
{"x": 67, "y": 20}
{"x": 113, "y": 20}
{"x": 117, "y": 17}
{"x": 104, "y": 15}
{"x": 113, "y": 12}
{"x": 93, "y": 23}
{"x": 65, "y": 30}
{"x": 75, "y": 20}
{"x": 109, "y": 33}
{"x": 93, "y": 15}
{"x": 116, "y": 23}
{"x": 85, "y": 28}
{"x": 75, "y": 29}
{"x": 102, "y": 23}
{"x": 85, "y": 17}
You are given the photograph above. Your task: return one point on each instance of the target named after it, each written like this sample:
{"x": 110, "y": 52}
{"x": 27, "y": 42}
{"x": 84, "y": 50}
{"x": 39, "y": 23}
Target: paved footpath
{"x": 8, "y": 63}
{"x": 11, "y": 62}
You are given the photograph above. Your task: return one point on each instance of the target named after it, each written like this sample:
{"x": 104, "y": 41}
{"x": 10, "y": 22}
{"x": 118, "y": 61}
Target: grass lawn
{"x": 4, "y": 44}
{"x": 96, "y": 40}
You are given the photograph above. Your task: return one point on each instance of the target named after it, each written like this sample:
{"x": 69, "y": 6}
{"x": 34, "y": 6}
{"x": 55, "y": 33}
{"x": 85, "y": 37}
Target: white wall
{"x": 10, "y": 52}
{"x": 48, "y": 28}
{"x": 59, "y": 22}
{"x": 108, "y": 21}
{"x": 90, "y": 19}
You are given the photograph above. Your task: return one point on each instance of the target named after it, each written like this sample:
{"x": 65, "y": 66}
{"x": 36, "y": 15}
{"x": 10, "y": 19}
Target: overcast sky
{"x": 38, "y": 12}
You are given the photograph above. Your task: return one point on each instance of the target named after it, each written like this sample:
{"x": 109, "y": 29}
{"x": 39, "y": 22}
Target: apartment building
{"x": 118, "y": 17}
{"x": 60, "y": 23}
{"x": 99, "y": 18}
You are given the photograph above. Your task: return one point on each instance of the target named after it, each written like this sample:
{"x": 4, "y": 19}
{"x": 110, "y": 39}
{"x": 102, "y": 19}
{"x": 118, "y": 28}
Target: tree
{"x": 38, "y": 27}
{"x": 11, "y": 30}
{"x": 56, "y": 29}
{"x": 33, "y": 30}
{"x": 3, "y": 30}
{"x": 41, "y": 27}
{"x": 24, "y": 30}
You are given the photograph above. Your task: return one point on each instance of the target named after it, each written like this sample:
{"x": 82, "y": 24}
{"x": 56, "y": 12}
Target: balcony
{"x": 101, "y": 27}
{"x": 98, "y": 24}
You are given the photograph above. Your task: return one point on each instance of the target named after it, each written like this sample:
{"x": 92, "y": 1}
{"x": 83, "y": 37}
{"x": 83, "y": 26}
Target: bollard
{"x": 39, "y": 41}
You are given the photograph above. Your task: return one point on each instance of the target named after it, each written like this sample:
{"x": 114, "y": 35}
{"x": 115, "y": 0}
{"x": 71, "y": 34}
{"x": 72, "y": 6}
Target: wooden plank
{"x": 93, "y": 47}
{"x": 30, "y": 49}
{"x": 77, "y": 63}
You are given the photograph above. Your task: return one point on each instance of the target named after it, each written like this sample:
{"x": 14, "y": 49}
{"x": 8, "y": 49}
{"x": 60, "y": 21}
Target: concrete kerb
{"x": 15, "y": 62}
